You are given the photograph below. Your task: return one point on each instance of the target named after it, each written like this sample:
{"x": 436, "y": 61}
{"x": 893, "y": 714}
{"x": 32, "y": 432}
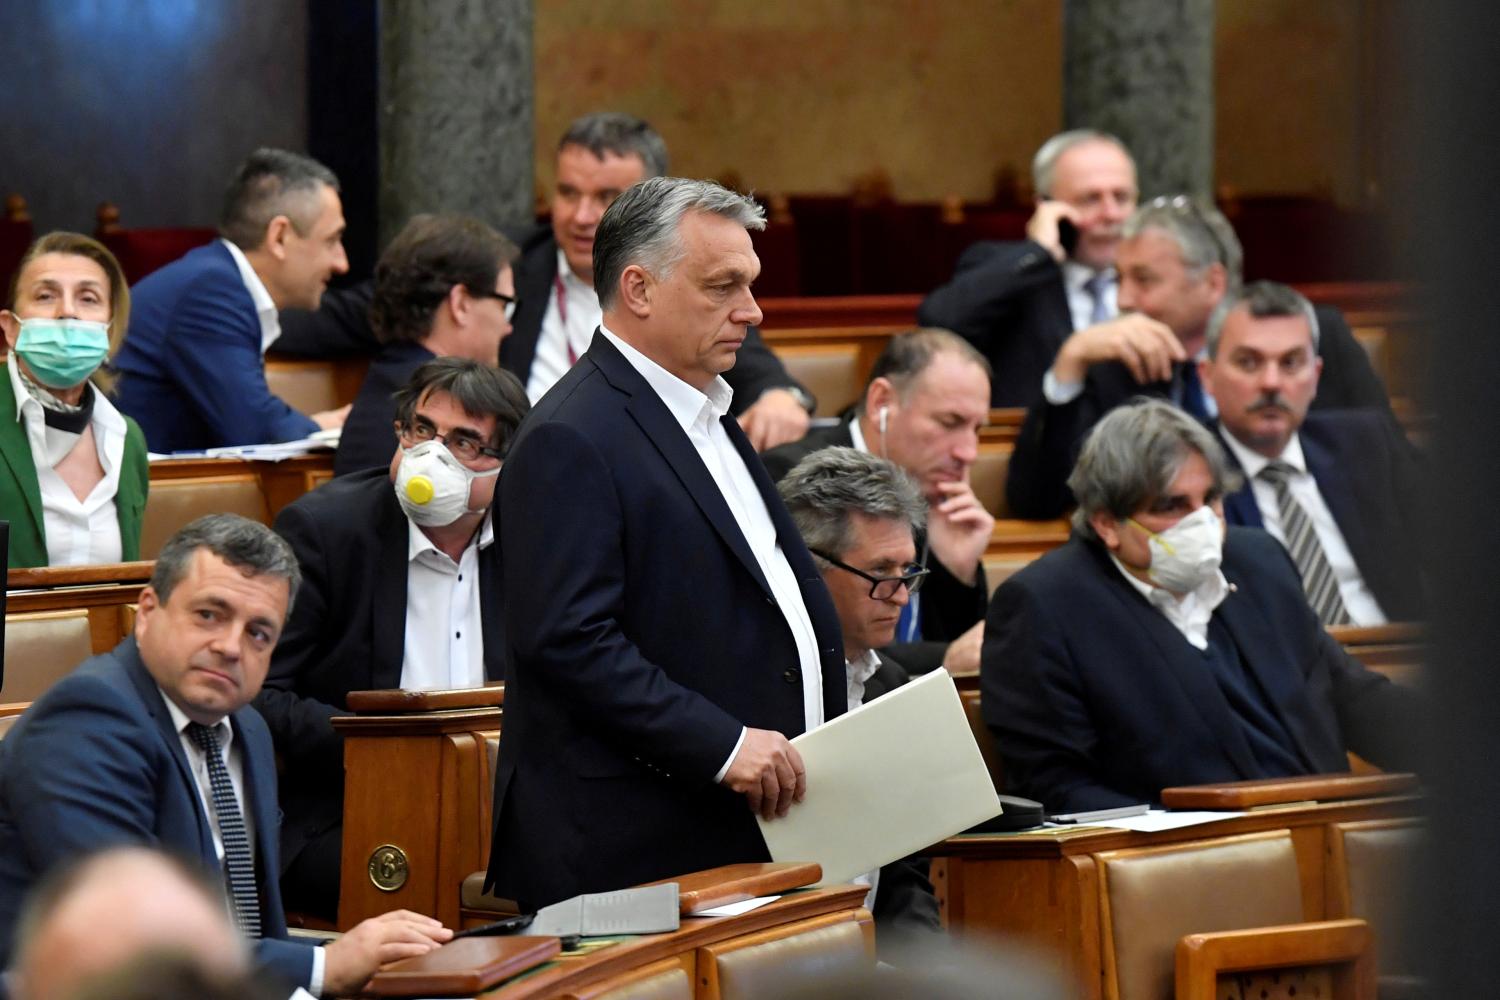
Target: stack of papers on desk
{"x": 893, "y": 776}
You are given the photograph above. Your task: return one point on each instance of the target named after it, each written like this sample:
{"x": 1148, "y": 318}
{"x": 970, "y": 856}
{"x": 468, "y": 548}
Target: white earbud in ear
{"x": 881, "y": 416}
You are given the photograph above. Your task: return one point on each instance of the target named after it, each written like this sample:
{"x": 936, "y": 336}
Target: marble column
{"x": 456, "y": 129}
{"x": 1144, "y": 70}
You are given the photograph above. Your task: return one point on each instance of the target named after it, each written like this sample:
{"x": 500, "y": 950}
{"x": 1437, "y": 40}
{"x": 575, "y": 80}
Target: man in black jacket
{"x": 401, "y": 587}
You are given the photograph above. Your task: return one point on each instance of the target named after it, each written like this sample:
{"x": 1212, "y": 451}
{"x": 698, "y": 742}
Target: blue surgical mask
{"x": 61, "y": 353}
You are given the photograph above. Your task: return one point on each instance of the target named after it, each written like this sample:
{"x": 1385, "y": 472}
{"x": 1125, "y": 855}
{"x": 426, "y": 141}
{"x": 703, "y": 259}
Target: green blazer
{"x": 21, "y": 496}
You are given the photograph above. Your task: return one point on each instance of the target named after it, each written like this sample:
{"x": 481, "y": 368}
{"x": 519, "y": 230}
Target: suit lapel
{"x": 15, "y": 451}
{"x": 153, "y": 700}
{"x": 388, "y": 621}
{"x": 815, "y": 597}
{"x": 260, "y": 800}
{"x": 668, "y": 438}
{"x": 1185, "y": 663}
{"x": 534, "y": 276}
{"x": 1265, "y": 656}
{"x": 1059, "y": 323}
{"x": 1337, "y": 491}
{"x": 491, "y": 622}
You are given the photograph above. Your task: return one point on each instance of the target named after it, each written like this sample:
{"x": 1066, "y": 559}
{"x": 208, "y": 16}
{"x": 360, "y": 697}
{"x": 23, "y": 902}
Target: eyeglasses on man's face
{"x": 883, "y": 588}
{"x": 466, "y": 447}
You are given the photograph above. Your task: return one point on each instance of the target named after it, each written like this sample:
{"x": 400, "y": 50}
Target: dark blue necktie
{"x": 1192, "y": 392}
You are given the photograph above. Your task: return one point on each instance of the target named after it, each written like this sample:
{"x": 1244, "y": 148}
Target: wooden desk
{"x": 1041, "y": 889}
{"x": 793, "y": 913}
{"x": 280, "y": 482}
{"x": 418, "y": 779}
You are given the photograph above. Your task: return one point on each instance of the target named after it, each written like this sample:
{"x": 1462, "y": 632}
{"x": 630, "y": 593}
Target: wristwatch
{"x": 802, "y": 396}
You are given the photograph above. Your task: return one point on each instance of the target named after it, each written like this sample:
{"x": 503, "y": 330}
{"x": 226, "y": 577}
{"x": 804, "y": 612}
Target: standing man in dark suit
{"x": 926, "y": 400}
{"x": 860, "y": 517}
{"x": 443, "y": 288}
{"x": 667, "y": 628}
{"x": 153, "y": 743}
{"x": 1018, "y": 302}
{"x": 1156, "y": 649}
{"x": 192, "y": 372}
{"x": 395, "y": 593}
{"x": 601, "y": 155}
{"x": 1331, "y": 486}
{"x": 1177, "y": 259}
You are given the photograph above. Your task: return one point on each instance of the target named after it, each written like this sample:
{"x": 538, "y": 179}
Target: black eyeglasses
{"x": 464, "y": 447}
{"x": 883, "y": 588}
{"x": 1185, "y": 205}
{"x": 507, "y": 301}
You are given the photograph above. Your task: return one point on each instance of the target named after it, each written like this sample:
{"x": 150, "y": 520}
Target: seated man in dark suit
{"x": 1157, "y": 649}
{"x": 396, "y": 592}
{"x": 1017, "y": 302}
{"x": 1331, "y": 485}
{"x": 443, "y": 288}
{"x": 154, "y": 744}
{"x": 191, "y": 368}
{"x": 556, "y": 308}
{"x": 922, "y": 409}
{"x": 1178, "y": 258}
{"x": 860, "y": 517}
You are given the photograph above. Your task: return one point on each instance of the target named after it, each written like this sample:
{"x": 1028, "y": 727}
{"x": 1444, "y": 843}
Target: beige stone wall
{"x": 807, "y": 95}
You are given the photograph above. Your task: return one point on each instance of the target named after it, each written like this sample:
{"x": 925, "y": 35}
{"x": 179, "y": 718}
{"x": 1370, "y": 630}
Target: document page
{"x": 891, "y": 777}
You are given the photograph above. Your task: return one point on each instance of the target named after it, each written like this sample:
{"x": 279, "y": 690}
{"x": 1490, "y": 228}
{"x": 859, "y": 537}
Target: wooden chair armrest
{"x": 1348, "y": 943}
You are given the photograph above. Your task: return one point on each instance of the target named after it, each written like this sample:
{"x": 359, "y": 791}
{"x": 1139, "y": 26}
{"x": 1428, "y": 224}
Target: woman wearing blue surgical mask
{"x": 73, "y": 473}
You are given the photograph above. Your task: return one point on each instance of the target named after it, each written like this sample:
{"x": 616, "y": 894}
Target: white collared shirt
{"x": 572, "y": 315}
{"x": 699, "y": 415}
{"x": 1359, "y": 601}
{"x": 858, "y": 672}
{"x": 1080, "y": 301}
{"x": 1191, "y": 614}
{"x": 444, "y": 646}
{"x": 79, "y": 532}
{"x": 265, "y": 306}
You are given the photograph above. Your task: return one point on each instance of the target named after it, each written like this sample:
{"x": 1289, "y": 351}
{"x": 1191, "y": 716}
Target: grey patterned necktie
{"x": 239, "y": 864}
{"x": 1318, "y": 581}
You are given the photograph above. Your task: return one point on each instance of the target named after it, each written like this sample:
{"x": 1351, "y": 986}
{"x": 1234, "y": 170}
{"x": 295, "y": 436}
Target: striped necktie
{"x": 1318, "y": 581}
{"x": 239, "y": 865}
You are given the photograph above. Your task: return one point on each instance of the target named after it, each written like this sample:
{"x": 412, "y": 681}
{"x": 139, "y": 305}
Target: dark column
{"x": 1143, "y": 69}
{"x": 455, "y": 110}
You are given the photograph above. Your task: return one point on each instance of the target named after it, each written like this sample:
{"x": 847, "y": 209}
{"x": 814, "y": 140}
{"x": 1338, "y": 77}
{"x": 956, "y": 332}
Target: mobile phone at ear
{"x": 1067, "y": 236}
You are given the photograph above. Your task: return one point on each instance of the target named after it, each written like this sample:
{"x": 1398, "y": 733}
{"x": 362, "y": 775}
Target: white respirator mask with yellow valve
{"x": 432, "y": 486}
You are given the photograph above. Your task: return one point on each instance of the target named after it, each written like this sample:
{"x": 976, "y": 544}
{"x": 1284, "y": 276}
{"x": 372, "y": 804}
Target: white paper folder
{"x": 893, "y": 776}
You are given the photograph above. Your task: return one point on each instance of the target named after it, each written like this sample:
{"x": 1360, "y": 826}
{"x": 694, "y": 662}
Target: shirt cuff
{"x": 315, "y": 980}
{"x": 732, "y": 754}
{"x": 1060, "y": 393}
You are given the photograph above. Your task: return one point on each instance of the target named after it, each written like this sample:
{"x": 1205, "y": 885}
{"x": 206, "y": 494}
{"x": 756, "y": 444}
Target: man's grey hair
{"x": 237, "y": 540}
{"x": 1202, "y": 234}
{"x": 619, "y": 134}
{"x": 1133, "y": 454}
{"x": 1044, "y": 164}
{"x": 907, "y": 355}
{"x": 269, "y": 183}
{"x": 1262, "y": 299}
{"x": 642, "y": 227}
{"x": 826, "y": 488}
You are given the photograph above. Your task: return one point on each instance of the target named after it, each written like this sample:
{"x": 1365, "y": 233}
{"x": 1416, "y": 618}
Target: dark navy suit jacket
{"x": 346, "y": 632}
{"x": 1369, "y": 485}
{"x": 97, "y": 763}
{"x": 1096, "y": 700}
{"x": 190, "y": 369}
{"x": 642, "y": 636}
